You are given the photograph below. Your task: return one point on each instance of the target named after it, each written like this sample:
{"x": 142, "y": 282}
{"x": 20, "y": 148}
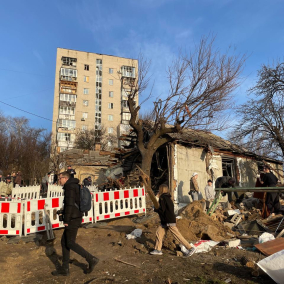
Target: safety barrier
{"x": 11, "y": 218}
{"x": 105, "y": 205}
{"x": 54, "y": 190}
{"x": 119, "y": 203}
{"x": 29, "y": 192}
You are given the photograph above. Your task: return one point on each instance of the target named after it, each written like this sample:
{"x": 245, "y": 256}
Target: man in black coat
{"x": 272, "y": 198}
{"x": 226, "y": 182}
{"x": 71, "y": 171}
{"x": 72, "y": 218}
{"x": 87, "y": 181}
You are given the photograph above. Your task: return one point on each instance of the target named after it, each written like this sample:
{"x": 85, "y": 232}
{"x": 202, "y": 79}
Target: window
{"x": 124, "y": 103}
{"x": 70, "y": 124}
{"x": 110, "y": 117}
{"x": 110, "y": 70}
{"x": 86, "y": 79}
{"x": 110, "y": 130}
{"x": 110, "y": 105}
{"x": 99, "y": 61}
{"x": 110, "y": 82}
{"x": 85, "y": 115}
{"x": 85, "y": 103}
{"x": 69, "y": 61}
{"x": 110, "y": 94}
{"x": 84, "y": 127}
{"x": 66, "y": 110}
{"x": 86, "y": 67}
{"x": 63, "y": 136}
{"x": 86, "y": 91}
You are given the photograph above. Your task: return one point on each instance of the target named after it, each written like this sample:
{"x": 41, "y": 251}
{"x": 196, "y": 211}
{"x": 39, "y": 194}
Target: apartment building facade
{"x": 90, "y": 93}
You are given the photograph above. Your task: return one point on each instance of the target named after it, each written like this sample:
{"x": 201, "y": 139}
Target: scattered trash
{"x": 205, "y": 245}
{"x": 271, "y": 247}
{"x": 233, "y": 212}
{"x": 178, "y": 217}
{"x": 134, "y": 234}
{"x": 265, "y": 237}
{"x": 228, "y": 280}
{"x": 273, "y": 266}
{"x": 232, "y": 243}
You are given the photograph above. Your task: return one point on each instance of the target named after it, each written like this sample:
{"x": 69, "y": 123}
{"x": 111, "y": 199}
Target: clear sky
{"x": 30, "y": 32}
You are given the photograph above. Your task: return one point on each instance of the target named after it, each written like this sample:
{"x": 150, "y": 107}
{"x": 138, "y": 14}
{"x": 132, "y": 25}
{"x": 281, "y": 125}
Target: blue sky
{"x": 32, "y": 30}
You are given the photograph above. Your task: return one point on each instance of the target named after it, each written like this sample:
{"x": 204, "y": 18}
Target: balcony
{"x": 65, "y": 124}
{"x": 67, "y": 87}
{"x": 67, "y": 116}
{"x": 64, "y": 143}
{"x": 128, "y": 72}
{"x": 67, "y": 104}
{"x": 67, "y": 74}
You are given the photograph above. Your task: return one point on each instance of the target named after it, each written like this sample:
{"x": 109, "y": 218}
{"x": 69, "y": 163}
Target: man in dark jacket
{"x": 71, "y": 171}
{"x": 168, "y": 222}
{"x": 272, "y": 198}
{"x": 72, "y": 218}
{"x": 87, "y": 181}
{"x": 226, "y": 182}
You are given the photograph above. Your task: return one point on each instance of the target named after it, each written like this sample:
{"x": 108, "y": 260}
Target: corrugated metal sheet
{"x": 271, "y": 247}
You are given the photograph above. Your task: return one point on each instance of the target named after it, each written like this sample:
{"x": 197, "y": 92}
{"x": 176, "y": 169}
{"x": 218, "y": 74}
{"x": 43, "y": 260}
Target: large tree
{"x": 200, "y": 87}
{"x": 261, "y": 125}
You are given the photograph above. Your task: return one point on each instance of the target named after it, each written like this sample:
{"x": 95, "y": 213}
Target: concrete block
{"x": 236, "y": 219}
{"x": 233, "y": 243}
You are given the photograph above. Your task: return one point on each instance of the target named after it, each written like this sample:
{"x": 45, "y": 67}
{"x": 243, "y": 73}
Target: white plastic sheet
{"x": 273, "y": 265}
{"x": 265, "y": 237}
{"x": 201, "y": 246}
{"x": 134, "y": 234}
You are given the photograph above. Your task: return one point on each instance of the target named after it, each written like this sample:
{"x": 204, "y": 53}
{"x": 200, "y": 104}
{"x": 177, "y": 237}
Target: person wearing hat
{"x": 194, "y": 188}
{"x": 71, "y": 171}
{"x": 6, "y": 188}
{"x": 87, "y": 181}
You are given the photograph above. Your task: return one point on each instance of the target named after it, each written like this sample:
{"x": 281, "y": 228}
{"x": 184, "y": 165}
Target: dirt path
{"x": 29, "y": 263}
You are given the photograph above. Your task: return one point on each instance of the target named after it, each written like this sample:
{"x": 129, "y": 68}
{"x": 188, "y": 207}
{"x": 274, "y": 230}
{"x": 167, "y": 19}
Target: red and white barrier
{"x": 11, "y": 218}
{"x": 119, "y": 203}
{"x": 55, "y": 190}
{"x": 29, "y": 192}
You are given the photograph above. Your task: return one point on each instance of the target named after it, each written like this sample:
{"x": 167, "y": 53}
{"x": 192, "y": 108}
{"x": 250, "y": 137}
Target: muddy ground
{"x": 33, "y": 262}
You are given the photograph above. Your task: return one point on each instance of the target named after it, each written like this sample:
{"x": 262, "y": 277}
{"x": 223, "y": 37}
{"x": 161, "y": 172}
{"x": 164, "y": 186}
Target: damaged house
{"x": 204, "y": 153}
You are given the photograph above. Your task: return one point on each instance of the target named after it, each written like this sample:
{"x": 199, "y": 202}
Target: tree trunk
{"x": 146, "y": 167}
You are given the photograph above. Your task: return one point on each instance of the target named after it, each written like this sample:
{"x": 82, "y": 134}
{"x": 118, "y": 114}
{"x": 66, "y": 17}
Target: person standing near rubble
{"x": 72, "y": 219}
{"x": 168, "y": 222}
{"x": 272, "y": 198}
{"x": 226, "y": 182}
{"x": 194, "y": 188}
{"x": 209, "y": 193}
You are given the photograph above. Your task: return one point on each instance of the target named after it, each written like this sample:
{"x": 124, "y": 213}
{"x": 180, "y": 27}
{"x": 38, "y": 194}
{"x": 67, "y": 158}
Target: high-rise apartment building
{"x": 90, "y": 93}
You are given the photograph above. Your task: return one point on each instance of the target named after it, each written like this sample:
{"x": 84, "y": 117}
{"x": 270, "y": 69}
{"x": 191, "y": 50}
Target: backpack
{"x": 85, "y": 199}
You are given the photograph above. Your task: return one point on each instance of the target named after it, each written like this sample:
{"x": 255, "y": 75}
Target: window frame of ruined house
{"x": 69, "y": 62}
{"x": 86, "y": 67}
{"x": 110, "y": 117}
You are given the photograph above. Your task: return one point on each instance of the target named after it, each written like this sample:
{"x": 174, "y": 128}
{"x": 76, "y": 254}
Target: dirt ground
{"x": 33, "y": 262}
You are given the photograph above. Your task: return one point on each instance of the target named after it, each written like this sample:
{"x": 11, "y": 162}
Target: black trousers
{"x": 68, "y": 242}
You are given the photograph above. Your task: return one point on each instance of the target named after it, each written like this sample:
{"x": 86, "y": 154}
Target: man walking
{"x": 72, "y": 218}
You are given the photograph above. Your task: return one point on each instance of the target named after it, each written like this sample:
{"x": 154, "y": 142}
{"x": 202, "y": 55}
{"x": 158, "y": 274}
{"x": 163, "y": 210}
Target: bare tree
{"x": 88, "y": 139}
{"x": 200, "y": 87}
{"x": 261, "y": 126}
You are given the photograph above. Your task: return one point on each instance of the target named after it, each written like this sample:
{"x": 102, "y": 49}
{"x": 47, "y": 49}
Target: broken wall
{"x": 188, "y": 161}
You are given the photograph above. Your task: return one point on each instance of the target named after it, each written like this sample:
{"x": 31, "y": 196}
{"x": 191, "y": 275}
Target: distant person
{"x": 168, "y": 222}
{"x": 6, "y": 188}
{"x": 209, "y": 193}
{"x": 18, "y": 179}
{"x": 1, "y": 177}
{"x": 71, "y": 171}
{"x": 272, "y": 198}
{"x": 44, "y": 185}
{"x": 55, "y": 178}
{"x": 13, "y": 175}
{"x": 194, "y": 188}
{"x": 87, "y": 181}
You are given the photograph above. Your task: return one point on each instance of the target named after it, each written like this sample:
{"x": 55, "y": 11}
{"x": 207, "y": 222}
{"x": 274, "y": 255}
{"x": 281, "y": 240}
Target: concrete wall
{"x": 190, "y": 160}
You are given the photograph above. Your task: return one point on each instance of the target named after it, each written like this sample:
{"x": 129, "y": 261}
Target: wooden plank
{"x": 271, "y": 247}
